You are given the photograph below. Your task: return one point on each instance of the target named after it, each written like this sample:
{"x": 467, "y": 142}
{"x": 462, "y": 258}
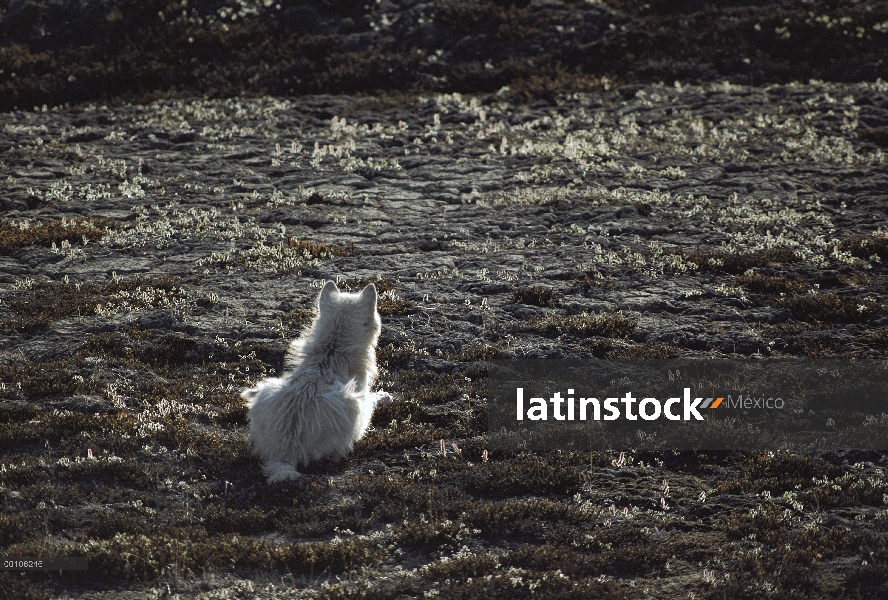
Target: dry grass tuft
{"x": 44, "y": 303}
{"x": 879, "y": 335}
{"x": 393, "y": 307}
{"x": 648, "y": 351}
{"x": 318, "y": 249}
{"x": 46, "y": 233}
{"x": 770, "y": 284}
{"x": 589, "y": 283}
{"x": 866, "y": 246}
{"x": 877, "y": 135}
{"x": 737, "y": 263}
{"x": 827, "y": 307}
{"x": 614, "y": 325}
{"x": 482, "y": 352}
{"x": 356, "y": 284}
{"x": 537, "y": 295}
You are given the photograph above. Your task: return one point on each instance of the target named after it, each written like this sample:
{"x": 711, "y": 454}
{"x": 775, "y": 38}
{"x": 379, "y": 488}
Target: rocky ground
{"x": 156, "y": 259}
{"x": 157, "y": 256}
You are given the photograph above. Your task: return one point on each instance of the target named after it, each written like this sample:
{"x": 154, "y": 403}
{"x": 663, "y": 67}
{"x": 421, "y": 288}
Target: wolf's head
{"x": 351, "y": 320}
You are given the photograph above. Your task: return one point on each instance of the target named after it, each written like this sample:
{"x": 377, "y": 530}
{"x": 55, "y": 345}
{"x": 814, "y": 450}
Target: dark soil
{"x": 136, "y": 50}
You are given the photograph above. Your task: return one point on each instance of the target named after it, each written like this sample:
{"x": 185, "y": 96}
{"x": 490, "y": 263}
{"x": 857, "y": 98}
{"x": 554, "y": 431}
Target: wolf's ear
{"x": 368, "y": 296}
{"x": 327, "y": 293}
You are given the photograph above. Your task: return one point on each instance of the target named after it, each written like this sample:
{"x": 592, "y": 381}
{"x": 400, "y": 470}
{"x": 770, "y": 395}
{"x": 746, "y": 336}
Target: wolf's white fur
{"x": 322, "y": 404}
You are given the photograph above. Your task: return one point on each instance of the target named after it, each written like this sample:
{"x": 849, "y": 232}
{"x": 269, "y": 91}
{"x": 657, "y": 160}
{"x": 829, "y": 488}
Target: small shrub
{"x": 537, "y": 295}
{"x": 827, "y": 307}
{"x": 877, "y": 135}
{"x": 393, "y": 307}
{"x": 430, "y": 536}
{"x": 648, "y": 351}
{"x": 356, "y": 284}
{"x": 11, "y": 529}
{"x": 462, "y": 567}
{"x": 45, "y": 303}
{"x": 427, "y": 387}
{"x": 482, "y": 352}
{"x": 865, "y": 246}
{"x": 509, "y": 517}
{"x": 869, "y": 580}
{"x": 769, "y": 284}
{"x": 610, "y": 325}
{"x": 526, "y": 474}
{"x": 740, "y": 262}
{"x": 318, "y": 249}
{"x": 392, "y": 357}
{"x": 643, "y": 209}
{"x": 879, "y": 336}
{"x": 597, "y": 281}
{"x": 47, "y": 233}
{"x": 782, "y": 466}
{"x": 12, "y": 585}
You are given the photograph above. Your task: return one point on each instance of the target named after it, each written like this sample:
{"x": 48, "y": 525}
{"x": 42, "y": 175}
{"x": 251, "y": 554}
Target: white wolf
{"x": 322, "y": 404}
